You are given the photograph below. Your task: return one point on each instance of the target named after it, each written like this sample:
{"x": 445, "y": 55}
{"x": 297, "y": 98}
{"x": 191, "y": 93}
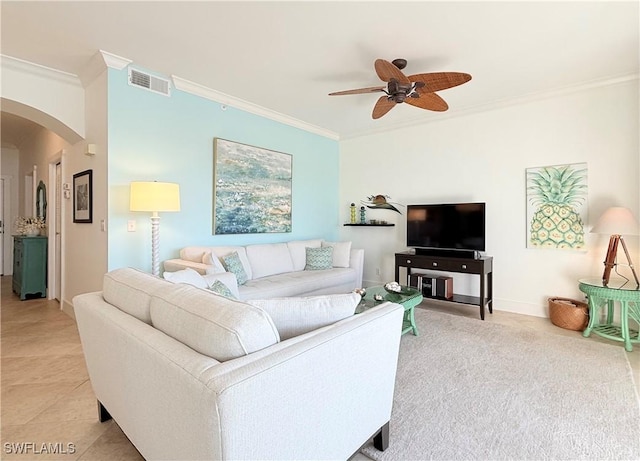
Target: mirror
{"x": 41, "y": 201}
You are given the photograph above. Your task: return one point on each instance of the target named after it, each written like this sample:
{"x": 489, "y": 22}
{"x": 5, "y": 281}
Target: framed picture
{"x": 251, "y": 189}
{"x": 557, "y": 206}
{"x": 83, "y": 197}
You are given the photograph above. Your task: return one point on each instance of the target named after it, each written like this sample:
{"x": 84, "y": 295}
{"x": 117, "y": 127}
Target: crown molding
{"x": 114, "y": 61}
{"x": 525, "y": 99}
{"x": 99, "y": 62}
{"x": 22, "y": 66}
{"x": 213, "y": 95}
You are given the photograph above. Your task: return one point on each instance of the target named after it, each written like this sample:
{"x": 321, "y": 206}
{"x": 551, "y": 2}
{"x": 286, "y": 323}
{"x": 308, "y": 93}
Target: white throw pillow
{"x": 211, "y": 260}
{"x": 341, "y": 253}
{"x": 188, "y": 276}
{"x": 296, "y": 316}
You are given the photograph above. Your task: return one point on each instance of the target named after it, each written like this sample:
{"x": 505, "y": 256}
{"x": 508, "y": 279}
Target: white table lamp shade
{"x": 616, "y": 221}
{"x": 154, "y": 196}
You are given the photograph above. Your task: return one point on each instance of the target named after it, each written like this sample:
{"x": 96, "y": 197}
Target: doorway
{"x": 1, "y": 226}
{"x": 55, "y": 224}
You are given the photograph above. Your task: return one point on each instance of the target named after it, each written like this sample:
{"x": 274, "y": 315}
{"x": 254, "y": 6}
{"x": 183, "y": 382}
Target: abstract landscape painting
{"x": 251, "y": 189}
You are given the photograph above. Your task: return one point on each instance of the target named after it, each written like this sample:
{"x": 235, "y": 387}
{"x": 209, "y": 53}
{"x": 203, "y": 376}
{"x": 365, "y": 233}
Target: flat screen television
{"x": 454, "y": 226}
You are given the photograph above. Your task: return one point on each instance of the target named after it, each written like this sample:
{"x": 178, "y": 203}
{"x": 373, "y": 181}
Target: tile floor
{"x": 48, "y": 406}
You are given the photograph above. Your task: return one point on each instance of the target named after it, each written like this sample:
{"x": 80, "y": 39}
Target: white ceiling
{"x": 287, "y": 56}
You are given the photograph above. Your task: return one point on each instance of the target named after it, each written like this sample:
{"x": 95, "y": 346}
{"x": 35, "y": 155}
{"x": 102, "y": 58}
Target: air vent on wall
{"x": 149, "y": 82}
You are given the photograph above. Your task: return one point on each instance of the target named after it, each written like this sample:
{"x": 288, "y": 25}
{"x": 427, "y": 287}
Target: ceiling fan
{"x": 417, "y": 90}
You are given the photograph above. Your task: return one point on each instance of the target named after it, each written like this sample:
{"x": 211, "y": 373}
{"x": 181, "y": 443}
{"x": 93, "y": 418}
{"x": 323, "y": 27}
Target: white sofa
{"x": 277, "y": 269}
{"x": 191, "y": 375}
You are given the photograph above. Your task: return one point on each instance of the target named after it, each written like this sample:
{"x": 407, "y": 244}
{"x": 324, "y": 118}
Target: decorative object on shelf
{"x": 154, "y": 197}
{"x": 615, "y": 222}
{"x": 568, "y": 313}
{"x": 363, "y": 218}
{"x": 353, "y": 213}
{"x": 380, "y": 202}
{"x": 557, "y": 206}
{"x": 251, "y": 189}
{"x": 83, "y": 197}
{"x": 29, "y": 226}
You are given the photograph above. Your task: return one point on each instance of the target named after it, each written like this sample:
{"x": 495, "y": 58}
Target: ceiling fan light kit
{"x": 417, "y": 90}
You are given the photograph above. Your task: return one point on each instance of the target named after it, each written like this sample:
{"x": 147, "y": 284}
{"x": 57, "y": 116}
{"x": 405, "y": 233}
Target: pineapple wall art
{"x": 557, "y": 206}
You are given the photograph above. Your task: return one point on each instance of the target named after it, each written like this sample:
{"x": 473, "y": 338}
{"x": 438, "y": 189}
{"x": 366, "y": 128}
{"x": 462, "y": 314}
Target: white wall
{"x": 482, "y": 157}
{"x": 85, "y": 244}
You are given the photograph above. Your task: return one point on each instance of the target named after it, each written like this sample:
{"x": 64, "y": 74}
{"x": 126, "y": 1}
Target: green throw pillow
{"x": 233, "y": 264}
{"x": 319, "y": 258}
{"x": 220, "y": 288}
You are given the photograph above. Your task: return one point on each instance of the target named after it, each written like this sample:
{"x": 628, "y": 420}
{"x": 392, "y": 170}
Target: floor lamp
{"x": 615, "y": 222}
{"x": 155, "y": 197}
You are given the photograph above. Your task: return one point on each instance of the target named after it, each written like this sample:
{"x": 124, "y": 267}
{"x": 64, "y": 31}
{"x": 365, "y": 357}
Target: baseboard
{"x": 519, "y": 307}
{"x": 67, "y": 308}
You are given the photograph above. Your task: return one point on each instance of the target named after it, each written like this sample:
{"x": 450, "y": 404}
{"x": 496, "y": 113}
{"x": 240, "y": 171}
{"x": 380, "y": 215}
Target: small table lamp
{"x": 616, "y": 221}
{"x": 155, "y": 197}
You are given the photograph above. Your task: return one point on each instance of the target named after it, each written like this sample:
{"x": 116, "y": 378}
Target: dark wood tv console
{"x": 482, "y": 266}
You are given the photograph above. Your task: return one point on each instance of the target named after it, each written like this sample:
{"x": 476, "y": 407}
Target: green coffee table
{"x": 409, "y": 299}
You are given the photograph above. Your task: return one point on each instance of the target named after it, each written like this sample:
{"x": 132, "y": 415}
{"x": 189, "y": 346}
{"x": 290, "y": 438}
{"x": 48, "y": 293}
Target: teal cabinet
{"x": 29, "y": 266}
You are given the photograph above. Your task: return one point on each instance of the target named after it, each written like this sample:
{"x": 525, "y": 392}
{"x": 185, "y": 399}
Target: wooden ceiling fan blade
{"x": 429, "y": 101}
{"x": 387, "y": 71}
{"x": 372, "y": 89}
{"x": 383, "y": 106}
{"x": 437, "y": 81}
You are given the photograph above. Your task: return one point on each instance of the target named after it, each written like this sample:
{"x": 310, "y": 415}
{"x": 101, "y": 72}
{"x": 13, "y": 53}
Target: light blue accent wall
{"x": 170, "y": 139}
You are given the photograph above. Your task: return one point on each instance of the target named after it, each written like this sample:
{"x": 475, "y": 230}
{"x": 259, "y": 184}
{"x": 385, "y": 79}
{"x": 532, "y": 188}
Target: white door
{"x": 1, "y": 226}
{"x": 57, "y": 206}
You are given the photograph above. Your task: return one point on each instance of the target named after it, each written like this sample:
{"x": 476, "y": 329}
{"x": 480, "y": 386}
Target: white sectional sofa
{"x": 191, "y": 375}
{"x": 277, "y": 269}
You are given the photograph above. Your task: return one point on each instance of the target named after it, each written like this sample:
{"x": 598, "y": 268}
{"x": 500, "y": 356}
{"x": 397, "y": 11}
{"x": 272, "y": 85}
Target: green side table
{"x": 623, "y": 291}
{"x": 409, "y": 299}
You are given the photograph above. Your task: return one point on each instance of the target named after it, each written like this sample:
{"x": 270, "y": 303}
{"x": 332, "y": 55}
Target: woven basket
{"x": 568, "y": 313}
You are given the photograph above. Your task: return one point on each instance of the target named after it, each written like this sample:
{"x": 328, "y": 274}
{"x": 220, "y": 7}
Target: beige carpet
{"x": 473, "y": 390}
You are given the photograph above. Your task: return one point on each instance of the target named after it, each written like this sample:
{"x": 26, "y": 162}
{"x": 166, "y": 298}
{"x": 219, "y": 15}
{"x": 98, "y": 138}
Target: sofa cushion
{"x": 301, "y": 283}
{"x": 213, "y": 325}
{"x": 341, "y": 253}
{"x": 130, "y": 291}
{"x": 269, "y": 259}
{"x": 319, "y": 259}
{"x": 233, "y": 264}
{"x": 212, "y": 260}
{"x": 188, "y": 276}
{"x": 297, "y": 250}
{"x": 296, "y": 316}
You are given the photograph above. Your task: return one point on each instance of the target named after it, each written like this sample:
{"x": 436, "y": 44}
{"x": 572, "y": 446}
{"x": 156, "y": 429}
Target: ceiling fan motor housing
{"x": 398, "y": 91}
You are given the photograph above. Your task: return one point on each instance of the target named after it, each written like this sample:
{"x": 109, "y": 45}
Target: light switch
{"x": 131, "y": 226}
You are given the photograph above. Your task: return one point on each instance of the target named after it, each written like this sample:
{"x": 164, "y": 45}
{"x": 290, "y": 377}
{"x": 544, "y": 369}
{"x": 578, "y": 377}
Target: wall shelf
{"x": 372, "y": 225}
